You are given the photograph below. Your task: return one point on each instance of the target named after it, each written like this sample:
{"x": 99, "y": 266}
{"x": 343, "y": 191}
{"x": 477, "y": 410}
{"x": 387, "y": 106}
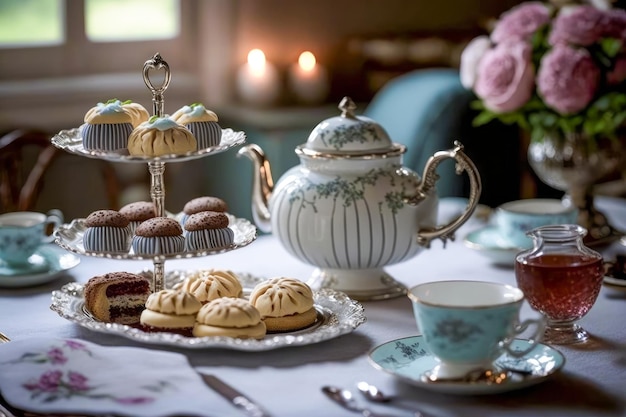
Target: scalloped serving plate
{"x": 70, "y": 237}
{"x": 72, "y": 142}
{"x": 337, "y": 314}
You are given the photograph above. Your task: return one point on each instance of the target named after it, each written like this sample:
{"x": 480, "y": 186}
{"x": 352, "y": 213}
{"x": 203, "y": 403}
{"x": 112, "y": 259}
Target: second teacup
{"x": 515, "y": 218}
{"x": 22, "y": 232}
{"x": 467, "y": 325}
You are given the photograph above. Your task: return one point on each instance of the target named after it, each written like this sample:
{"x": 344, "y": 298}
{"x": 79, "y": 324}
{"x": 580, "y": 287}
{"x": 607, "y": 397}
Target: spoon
{"x": 372, "y": 393}
{"x": 345, "y": 398}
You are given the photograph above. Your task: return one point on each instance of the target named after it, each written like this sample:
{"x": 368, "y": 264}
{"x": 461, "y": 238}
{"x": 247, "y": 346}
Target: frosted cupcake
{"x": 207, "y": 230}
{"x": 106, "y": 231}
{"x": 158, "y": 236}
{"x": 201, "y": 122}
{"x": 107, "y": 127}
{"x": 161, "y": 136}
{"x": 136, "y": 111}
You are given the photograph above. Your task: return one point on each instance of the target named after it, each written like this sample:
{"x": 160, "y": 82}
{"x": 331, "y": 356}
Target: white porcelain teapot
{"x": 350, "y": 207}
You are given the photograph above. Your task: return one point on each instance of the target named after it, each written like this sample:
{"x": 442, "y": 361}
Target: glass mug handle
{"x": 54, "y": 219}
{"x": 540, "y": 327}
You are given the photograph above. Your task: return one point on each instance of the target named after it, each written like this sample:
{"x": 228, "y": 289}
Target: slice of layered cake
{"x": 117, "y": 297}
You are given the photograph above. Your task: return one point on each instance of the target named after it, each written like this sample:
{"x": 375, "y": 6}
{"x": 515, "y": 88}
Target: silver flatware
{"x": 239, "y": 400}
{"x": 345, "y": 398}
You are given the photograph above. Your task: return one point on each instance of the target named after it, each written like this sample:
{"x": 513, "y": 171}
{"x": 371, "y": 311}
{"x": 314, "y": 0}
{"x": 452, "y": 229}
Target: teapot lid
{"x": 349, "y": 134}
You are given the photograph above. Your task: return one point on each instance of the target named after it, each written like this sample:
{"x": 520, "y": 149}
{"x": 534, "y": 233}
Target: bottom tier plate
{"x": 338, "y": 314}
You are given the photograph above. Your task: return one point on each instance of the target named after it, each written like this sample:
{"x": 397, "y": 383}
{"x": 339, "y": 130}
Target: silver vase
{"x": 574, "y": 163}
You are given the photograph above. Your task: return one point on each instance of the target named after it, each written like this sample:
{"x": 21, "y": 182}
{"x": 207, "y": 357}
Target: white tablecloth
{"x": 287, "y": 381}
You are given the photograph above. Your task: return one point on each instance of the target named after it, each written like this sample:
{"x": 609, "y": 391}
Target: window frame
{"x": 80, "y": 56}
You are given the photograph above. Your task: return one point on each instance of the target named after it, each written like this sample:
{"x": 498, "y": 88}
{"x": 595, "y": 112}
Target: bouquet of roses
{"x": 551, "y": 69}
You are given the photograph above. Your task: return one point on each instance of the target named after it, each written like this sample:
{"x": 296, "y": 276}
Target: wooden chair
{"x": 25, "y": 157}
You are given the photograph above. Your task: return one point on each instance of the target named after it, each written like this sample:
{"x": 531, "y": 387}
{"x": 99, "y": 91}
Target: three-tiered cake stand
{"x": 338, "y": 314}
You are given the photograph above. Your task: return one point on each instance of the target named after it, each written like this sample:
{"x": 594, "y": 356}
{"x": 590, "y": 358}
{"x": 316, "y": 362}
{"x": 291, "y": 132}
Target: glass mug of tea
{"x": 561, "y": 278}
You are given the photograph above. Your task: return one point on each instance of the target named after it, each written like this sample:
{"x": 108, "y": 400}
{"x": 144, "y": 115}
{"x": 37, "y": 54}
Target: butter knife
{"x": 238, "y": 399}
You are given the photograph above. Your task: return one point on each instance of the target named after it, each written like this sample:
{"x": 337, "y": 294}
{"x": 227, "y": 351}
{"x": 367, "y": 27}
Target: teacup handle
{"x": 54, "y": 217}
{"x": 532, "y": 341}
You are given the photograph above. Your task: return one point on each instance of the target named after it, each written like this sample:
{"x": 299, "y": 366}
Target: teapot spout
{"x": 262, "y": 185}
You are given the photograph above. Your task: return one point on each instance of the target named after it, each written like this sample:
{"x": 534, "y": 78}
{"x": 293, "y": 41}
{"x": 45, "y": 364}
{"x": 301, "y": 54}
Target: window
{"x": 57, "y": 38}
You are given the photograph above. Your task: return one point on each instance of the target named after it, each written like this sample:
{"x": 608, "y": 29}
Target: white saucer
{"x": 489, "y": 242}
{"x": 408, "y": 358}
{"x": 45, "y": 265}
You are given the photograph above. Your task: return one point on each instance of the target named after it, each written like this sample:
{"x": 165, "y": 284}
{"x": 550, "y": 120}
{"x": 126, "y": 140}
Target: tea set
{"x": 350, "y": 208}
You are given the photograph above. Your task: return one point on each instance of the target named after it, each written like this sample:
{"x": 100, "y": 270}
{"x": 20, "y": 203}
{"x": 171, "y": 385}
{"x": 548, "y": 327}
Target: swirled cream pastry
{"x": 284, "y": 303}
{"x": 161, "y": 136}
{"x": 201, "y": 122}
{"x": 207, "y": 285}
{"x": 137, "y": 112}
{"x": 232, "y": 317}
{"x": 107, "y": 127}
{"x": 170, "y": 311}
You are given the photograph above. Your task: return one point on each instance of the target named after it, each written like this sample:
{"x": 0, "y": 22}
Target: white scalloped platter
{"x": 70, "y": 237}
{"x": 72, "y": 142}
{"x": 337, "y": 314}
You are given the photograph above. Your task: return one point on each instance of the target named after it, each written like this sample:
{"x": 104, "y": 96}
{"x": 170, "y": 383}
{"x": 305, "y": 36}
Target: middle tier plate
{"x": 70, "y": 237}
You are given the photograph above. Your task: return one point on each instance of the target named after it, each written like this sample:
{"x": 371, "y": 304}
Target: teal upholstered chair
{"x": 424, "y": 110}
{"x": 427, "y": 110}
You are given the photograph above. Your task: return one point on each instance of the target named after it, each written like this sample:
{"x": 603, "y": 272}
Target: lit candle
{"x": 308, "y": 80}
{"x": 257, "y": 80}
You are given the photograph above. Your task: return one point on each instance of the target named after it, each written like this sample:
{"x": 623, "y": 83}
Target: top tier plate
{"x": 72, "y": 142}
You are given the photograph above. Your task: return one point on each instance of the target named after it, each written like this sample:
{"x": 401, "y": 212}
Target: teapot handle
{"x": 430, "y": 177}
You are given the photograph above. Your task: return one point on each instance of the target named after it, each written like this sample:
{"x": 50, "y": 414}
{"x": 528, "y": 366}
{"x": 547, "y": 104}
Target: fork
{"x": 4, "y": 338}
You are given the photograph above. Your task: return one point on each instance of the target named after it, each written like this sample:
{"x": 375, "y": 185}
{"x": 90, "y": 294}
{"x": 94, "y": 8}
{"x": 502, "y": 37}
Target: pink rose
{"x": 618, "y": 73}
{"x": 470, "y": 58}
{"x": 506, "y": 77}
{"x": 567, "y": 79}
{"x": 614, "y": 24}
{"x": 577, "y": 25}
{"x": 521, "y": 22}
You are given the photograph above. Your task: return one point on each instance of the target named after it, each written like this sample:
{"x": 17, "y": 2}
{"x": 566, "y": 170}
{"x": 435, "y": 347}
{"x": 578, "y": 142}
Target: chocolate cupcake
{"x": 205, "y": 203}
{"x": 138, "y": 212}
{"x": 107, "y": 231}
{"x": 207, "y": 230}
{"x": 158, "y": 236}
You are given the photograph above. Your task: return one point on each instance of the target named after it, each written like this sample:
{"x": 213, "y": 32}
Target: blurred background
{"x": 58, "y": 58}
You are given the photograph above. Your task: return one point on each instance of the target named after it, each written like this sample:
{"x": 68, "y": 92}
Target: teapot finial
{"x": 347, "y": 107}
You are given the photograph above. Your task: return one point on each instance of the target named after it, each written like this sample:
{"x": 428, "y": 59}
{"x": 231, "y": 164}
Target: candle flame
{"x": 306, "y": 61}
{"x": 256, "y": 61}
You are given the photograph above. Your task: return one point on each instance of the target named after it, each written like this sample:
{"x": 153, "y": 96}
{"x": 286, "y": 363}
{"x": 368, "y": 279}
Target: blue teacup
{"x": 467, "y": 325}
{"x": 515, "y": 218}
{"x": 23, "y": 232}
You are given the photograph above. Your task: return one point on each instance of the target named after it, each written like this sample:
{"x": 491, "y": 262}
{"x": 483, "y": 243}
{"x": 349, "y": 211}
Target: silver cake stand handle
{"x": 157, "y": 168}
